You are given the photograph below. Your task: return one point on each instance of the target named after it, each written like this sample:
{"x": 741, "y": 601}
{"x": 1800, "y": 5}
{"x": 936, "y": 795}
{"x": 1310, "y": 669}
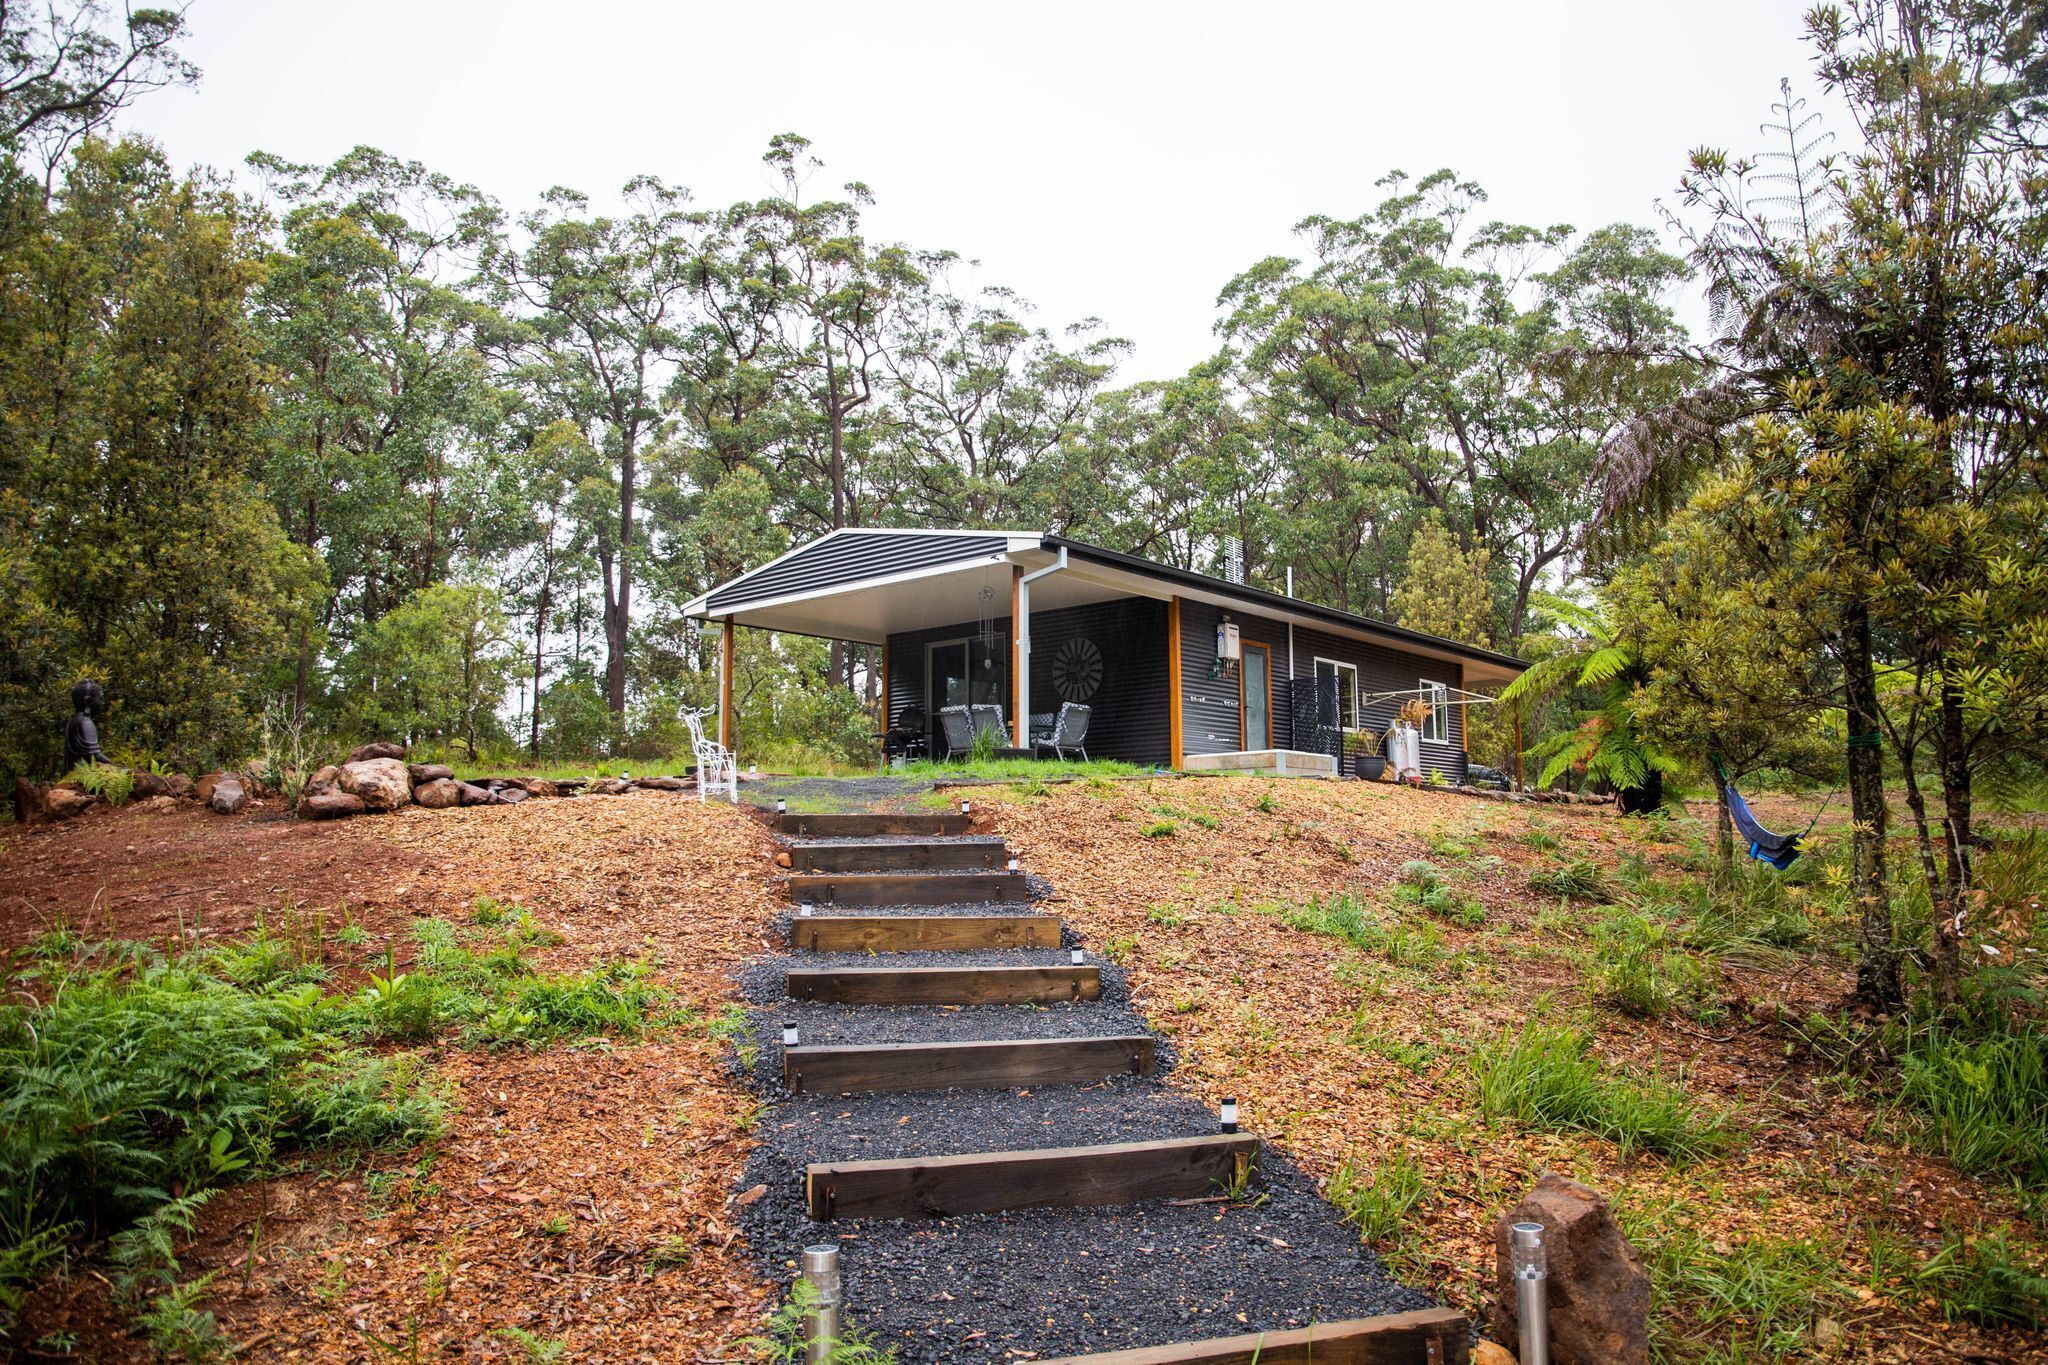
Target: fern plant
{"x": 1604, "y": 746}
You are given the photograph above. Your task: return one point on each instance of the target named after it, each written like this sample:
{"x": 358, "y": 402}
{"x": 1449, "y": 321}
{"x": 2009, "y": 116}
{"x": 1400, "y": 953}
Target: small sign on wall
{"x": 1227, "y": 646}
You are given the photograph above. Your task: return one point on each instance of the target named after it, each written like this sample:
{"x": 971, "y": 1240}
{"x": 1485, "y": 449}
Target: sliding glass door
{"x": 963, "y": 673}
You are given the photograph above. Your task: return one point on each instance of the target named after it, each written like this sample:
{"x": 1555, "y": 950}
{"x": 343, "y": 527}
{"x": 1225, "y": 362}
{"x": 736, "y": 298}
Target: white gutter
{"x": 1022, "y": 630}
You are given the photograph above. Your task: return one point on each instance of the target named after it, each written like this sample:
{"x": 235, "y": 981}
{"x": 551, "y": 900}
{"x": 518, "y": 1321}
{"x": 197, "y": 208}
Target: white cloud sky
{"x": 1111, "y": 159}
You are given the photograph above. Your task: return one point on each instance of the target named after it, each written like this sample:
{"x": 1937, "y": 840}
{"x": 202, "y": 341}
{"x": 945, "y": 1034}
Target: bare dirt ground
{"x": 587, "y": 1193}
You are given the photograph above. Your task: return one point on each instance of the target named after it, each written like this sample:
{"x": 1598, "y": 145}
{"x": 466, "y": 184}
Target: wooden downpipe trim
{"x": 725, "y": 663}
{"x": 1173, "y": 719}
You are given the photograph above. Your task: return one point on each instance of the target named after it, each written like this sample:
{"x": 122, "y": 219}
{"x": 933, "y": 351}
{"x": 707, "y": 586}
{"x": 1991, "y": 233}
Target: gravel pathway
{"x": 1038, "y": 1282}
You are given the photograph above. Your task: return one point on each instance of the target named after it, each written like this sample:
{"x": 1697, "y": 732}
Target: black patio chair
{"x": 908, "y": 737}
{"x": 956, "y": 727}
{"x": 1070, "y": 731}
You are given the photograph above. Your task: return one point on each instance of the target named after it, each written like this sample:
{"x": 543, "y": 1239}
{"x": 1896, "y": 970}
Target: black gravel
{"x": 1047, "y": 1281}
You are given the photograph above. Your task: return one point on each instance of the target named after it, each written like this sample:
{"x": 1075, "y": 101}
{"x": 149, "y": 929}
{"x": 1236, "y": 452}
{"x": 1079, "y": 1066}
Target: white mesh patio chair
{"x": 717, "y": 770}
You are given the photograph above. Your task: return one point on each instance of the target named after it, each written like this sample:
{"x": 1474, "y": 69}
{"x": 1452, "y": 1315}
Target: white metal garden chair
{"x": 717, "y": 770}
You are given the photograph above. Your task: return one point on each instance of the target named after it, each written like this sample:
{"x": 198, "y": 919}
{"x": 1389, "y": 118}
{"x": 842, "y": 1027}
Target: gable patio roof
{"x": 856, "y": 584}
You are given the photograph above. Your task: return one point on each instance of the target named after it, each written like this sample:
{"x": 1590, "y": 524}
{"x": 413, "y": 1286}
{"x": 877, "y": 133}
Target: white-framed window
{"x": 1346, "y": 676}
{"x": 1437, "y": 697}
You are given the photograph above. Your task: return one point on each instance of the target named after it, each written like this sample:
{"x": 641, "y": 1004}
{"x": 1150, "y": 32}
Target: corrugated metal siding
{"x": 1130, "y": 720}
{"x": 1388, "y": 670}
{"x": 1210, "y": 708}
{"x": 840, "y": 559}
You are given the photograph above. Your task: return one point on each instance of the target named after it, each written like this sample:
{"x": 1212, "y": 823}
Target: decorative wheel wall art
{"x": 1077, "y": 669}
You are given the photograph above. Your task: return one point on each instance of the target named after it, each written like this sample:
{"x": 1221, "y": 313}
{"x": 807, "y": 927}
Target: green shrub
{"x": 784, "y": 1339}
{"x": 1159, "y": 829}
{"x": 1546, "y": 1077}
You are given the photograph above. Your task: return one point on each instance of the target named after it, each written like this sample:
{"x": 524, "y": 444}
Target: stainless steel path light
{"x": 821, "y": 1326}
{"x": 1531, "y": 1265}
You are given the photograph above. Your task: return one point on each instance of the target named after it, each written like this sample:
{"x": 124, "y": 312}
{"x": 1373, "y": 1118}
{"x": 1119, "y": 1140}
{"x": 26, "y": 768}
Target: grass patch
{"x": 1644, "y": 969}
{"x": 1982, "y": 1278}
{"x": 1378, "y": 1201}
{"x": 1981, "y": 1102}
{"x": 1578, "y": 879}
{"x": 1546, "y": 1077}
{"x": 1015, "y": 768}
{"x": 1756, "y": 1299}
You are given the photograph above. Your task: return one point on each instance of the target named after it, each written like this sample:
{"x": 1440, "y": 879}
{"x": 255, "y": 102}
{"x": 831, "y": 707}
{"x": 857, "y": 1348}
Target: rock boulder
{"x": 149, "y": 784}
{"x": 62, "y": 803}
{"x": 363, "y": 753}
{"x": 179, "y": 785}
{"x": 382, "y": 783}
{"x": 1598, "y": 1290}
{"x": 157, "y": 805}
{"x": 473, "y": 795}
{"x": 429, "y": 772}
{"x": 228, "y": 796}
{"x": 508, "y": 796}
{"x": 332, "y": 803}
{"x": 437, "y": 793}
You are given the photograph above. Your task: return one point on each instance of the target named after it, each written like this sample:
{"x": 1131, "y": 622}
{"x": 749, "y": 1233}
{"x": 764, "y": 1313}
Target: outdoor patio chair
{"x": 906, "y": 738}
{"x": 717, "y": 769}
{"x": 991, "y": 718}
{"x": 956, "y": 727}
{"x": 1070, "y": 731}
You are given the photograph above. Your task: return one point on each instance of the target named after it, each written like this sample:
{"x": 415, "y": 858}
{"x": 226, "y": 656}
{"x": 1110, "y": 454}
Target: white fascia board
{"x": 862, "y": 585}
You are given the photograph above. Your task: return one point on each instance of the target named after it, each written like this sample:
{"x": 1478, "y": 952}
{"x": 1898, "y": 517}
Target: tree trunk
{"x": 540, "y": 630}
{"x": 1944, "y": 968}
{"x": 1724, "y": 831}
{"x": 1878, "y": 979}
{"x": 618, "y": 605}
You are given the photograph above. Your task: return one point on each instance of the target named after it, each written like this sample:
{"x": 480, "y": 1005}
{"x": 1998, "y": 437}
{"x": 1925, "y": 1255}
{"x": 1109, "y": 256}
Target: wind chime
{"x": 987, "y": 633}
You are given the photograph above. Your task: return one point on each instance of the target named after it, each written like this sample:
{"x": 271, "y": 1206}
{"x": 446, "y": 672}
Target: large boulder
{"x": 62, "y": 803}
{"x": 227, "y": 795}
{"x": 363, "y": 753}
{"x": 177, "y": 784}
{"x": 1598, "y": 1290}
{"x": 609, "y": 786}
{"x": 437, "y": 793}
{"x": 202, "y": 790}
{"x": 148, "y": 784}
{"x": 382, "y": 783}
{"x": 157, "y": 805}
{"x": 508, "y": 796}
{"x": 538, "y": 786}
{"x": 332, "y": 803}
{"x": 429, "y": 772}
{"x": 473, "y": 795}
{"x": 661, "y": 784}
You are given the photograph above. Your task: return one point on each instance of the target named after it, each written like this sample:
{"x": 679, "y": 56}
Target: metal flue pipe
{"x": 821, "y": 1329}
{"x": 1531, "y": 1265}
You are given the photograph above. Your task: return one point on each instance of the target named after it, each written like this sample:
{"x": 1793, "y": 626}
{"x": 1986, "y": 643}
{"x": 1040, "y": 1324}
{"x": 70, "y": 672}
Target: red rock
{"x": 179, "y": 785}
{"x": 61, "y": 803}
{"x": 330, "y": 804}
{"x": 1599, "y": 1292}
{"x": 362, "y": 753}
{"x": 438, "y": 793}
{"x": 473, "y": 795}
{"x": 227, "y": 796}
{"x": 382, "y": 783}
{"x": 429, "y": 772}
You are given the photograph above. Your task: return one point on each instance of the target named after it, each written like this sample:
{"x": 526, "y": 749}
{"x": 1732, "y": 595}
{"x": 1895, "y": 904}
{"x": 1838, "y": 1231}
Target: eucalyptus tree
{"x": 379, "y": 395}
{"x": 1415, "y": 361}
{"x": 599, "y": 305}
{"x": 988, "y": 410}
{"x": 68, "y": 67}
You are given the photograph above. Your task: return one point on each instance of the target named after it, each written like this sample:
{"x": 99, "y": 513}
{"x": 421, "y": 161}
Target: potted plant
{"x": 1366, "y": 759}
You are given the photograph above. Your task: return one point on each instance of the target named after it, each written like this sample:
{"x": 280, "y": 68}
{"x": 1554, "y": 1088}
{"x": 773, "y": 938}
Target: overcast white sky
{"x": 1119, "y": 160}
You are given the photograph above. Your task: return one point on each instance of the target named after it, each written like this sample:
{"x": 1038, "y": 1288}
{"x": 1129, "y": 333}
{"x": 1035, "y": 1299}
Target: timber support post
{"x": 725, "y": 660}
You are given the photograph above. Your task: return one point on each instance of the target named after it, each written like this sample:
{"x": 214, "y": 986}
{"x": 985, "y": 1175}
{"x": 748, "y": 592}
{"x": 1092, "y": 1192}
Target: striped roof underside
{"x": 849, "y": 559}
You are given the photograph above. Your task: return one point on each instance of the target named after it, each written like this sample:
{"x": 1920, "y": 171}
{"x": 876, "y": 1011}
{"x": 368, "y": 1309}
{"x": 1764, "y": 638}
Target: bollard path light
{"x": 1013, "y": 864}
{"x": 789, "y": 1034}
{"x": 821, "y": 1332}
{"x": 1229, "y": 1114}
{"x": 1531, "y": 1264}
{"x": 781, "y": 806}
{"x": 1079, "y": 957}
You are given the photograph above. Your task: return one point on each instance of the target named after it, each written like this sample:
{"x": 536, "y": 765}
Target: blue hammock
{"x": 1766, "y": 846}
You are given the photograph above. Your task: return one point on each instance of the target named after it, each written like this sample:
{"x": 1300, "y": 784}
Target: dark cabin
{"x": 1146, "y": 646}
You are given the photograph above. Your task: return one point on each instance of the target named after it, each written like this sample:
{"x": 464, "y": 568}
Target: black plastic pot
{"x": 1371, "y": 767}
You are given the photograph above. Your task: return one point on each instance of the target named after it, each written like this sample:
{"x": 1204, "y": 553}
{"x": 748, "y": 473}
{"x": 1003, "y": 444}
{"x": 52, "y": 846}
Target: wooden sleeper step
{"x": 1046, "y": 1178}
{"x": 908, "y": 888}
{"x": 1427, "y": 1336}
{"x": 994, "y": 1064}
{"x": 967, "y": 854}
{"x": 921, "y": 933}
{"x": 869, "y": 826}
{"x": 944, "y": 985}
